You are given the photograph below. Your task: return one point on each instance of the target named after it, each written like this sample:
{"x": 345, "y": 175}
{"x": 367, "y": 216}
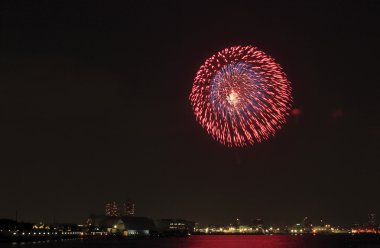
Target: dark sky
{"x": 94, "y": 107}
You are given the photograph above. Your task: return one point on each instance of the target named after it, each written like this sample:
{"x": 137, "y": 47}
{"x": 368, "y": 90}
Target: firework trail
{"x": 241, "y": 96}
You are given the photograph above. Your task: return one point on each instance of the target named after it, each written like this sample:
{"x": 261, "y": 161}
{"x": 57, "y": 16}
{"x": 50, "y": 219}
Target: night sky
{"x": 94, "y": 107}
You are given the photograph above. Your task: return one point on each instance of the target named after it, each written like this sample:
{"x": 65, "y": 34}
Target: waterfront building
{"x": 125, "y": 226}
{"x": 174, "y": 226}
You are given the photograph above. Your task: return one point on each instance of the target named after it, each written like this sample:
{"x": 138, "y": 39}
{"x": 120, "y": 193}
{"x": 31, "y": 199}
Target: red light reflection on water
{"x": 247, "y": 241}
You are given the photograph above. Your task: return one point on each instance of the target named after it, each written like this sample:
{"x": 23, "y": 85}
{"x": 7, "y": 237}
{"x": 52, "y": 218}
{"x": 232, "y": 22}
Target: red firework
{"x": 241, "y": 96}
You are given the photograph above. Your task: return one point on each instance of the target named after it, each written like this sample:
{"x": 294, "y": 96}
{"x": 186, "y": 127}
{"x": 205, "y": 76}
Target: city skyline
{"x": 113, "y": 212}
{"x": 94, "y": 107}
{"x": 126, "y": 208}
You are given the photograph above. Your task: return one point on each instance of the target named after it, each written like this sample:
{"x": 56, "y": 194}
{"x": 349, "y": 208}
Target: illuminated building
{"x": 322, "y": 229}
{"x": 297, "y": 228}
{"x": 112, "y": 209}
{"x": 128, "y": 208}
{"x": 174, "y": 227}
{"x": 361, "y": 229}
{"x": 371, "y": 219}
{"x": 237, "y": 222}
{"x": 370, "y": 227}
{"x": 126, "y": 226}
{"x": 243, "y": 229}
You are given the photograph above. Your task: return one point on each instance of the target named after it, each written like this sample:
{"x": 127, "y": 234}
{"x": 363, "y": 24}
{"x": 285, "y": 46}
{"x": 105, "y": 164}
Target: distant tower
{"x": 237, "y": 222}
{"x": 129, "y": 208}
{"x": 112, "y": 209}
{"x": 322, "y": 222}
{"x": 371, "y": 219}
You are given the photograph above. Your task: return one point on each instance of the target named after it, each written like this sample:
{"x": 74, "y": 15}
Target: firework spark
{"x": 241, "y": 96}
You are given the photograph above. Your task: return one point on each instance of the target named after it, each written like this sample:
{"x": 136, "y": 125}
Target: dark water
{"x": 266, "y": 241}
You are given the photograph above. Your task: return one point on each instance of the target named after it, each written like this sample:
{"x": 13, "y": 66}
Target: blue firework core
{"x": 235, "y": 89}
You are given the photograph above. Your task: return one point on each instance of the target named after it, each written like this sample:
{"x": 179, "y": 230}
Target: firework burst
{"x": 241, "y": 96}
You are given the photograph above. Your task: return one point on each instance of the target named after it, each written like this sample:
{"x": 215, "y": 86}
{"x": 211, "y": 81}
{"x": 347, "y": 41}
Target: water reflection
{"x": 206, "y": 241}
{"x": 242, "y": 241}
